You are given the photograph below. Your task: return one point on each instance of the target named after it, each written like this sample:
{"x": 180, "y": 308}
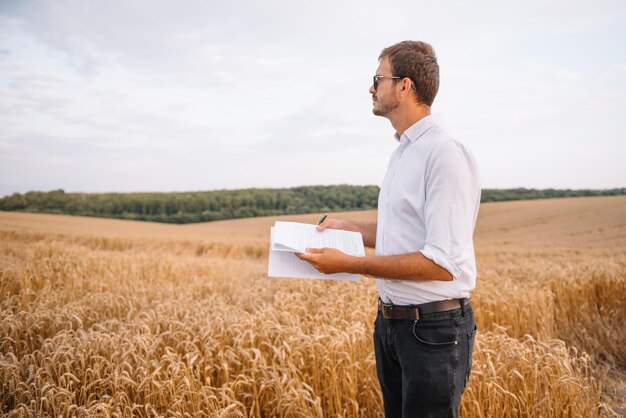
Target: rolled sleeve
{"x": 450, "y": 207}
{"x": 439, "y": 258}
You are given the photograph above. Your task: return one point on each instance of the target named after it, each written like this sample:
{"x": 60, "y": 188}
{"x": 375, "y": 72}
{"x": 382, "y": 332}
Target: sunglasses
{"x": 380, "y": 77}
{"x": 377, "y": 77}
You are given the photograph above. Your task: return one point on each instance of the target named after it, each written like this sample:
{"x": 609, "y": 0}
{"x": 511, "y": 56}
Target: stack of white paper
{"x": 287, "y": 238}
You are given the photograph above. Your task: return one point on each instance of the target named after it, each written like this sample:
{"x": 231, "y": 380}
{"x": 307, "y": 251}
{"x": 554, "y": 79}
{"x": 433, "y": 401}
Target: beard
{"x": 387, "y": 106}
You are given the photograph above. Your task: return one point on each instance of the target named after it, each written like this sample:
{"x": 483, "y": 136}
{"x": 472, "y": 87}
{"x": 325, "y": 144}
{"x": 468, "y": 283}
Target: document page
{"x": 297, "y": 237}
{"x": 287, "y": 238}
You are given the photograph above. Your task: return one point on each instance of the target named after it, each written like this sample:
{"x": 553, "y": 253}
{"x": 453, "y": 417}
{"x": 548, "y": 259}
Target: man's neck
{"x": 403, "y": 120}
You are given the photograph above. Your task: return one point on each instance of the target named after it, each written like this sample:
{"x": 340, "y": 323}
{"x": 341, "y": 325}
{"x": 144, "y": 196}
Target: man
{"x": 424, "y": 261}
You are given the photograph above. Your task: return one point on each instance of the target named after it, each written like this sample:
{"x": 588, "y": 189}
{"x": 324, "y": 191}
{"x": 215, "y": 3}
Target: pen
{"x": 323, "y": 219}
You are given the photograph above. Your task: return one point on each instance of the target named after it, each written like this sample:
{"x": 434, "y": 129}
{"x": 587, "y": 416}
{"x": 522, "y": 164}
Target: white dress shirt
{"x": 429, "y": 202}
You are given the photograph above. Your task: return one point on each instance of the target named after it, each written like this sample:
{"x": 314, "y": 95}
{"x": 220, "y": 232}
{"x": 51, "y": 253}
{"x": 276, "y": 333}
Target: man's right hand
{"x": 367, "y": 230}
{"x": 332, "y": 224}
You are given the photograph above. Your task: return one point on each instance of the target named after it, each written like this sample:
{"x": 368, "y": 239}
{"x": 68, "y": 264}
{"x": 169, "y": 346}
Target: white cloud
{"x": 169, "y": 96}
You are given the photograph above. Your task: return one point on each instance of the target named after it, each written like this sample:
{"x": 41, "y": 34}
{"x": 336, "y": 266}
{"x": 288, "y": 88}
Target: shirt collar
{"x": 416, "y": 130}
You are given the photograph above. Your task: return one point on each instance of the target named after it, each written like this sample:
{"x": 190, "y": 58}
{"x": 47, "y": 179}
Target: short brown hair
{"x": 417, "y": 61}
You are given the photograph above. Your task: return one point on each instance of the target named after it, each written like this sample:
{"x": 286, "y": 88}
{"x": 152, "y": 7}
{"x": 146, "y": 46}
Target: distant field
{"x": 104, "y": 317}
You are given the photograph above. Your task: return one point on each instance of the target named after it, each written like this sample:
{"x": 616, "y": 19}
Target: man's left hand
{"x": 328, "y": 260}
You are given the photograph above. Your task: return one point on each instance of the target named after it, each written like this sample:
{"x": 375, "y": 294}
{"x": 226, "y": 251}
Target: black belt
{"x": 413, "y": 312}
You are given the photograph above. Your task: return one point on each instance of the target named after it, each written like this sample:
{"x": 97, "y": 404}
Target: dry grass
{"x": 117, "y": 318}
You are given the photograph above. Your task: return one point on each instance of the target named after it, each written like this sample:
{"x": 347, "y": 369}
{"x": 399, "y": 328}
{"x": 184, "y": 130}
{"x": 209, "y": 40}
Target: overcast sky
{"x": 112, "y": 95}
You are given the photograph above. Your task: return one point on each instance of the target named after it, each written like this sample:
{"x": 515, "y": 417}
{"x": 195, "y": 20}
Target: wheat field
{"x": 117, "y": 318}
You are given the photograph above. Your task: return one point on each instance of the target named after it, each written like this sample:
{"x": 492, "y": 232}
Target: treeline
{"x": 501, "y": 195}
{"x": 188, "y": 207}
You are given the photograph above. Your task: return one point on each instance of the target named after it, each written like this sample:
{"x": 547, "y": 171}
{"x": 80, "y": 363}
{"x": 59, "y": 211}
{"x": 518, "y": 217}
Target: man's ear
{"x": 407, "y": 84}
{"x": 407, "y": 87}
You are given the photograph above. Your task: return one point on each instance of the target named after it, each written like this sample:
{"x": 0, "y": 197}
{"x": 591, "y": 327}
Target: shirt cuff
{"x": 439, "y": 258}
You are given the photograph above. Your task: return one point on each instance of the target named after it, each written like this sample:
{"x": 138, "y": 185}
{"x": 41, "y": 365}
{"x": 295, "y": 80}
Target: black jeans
{"x": 423, "y": 366}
